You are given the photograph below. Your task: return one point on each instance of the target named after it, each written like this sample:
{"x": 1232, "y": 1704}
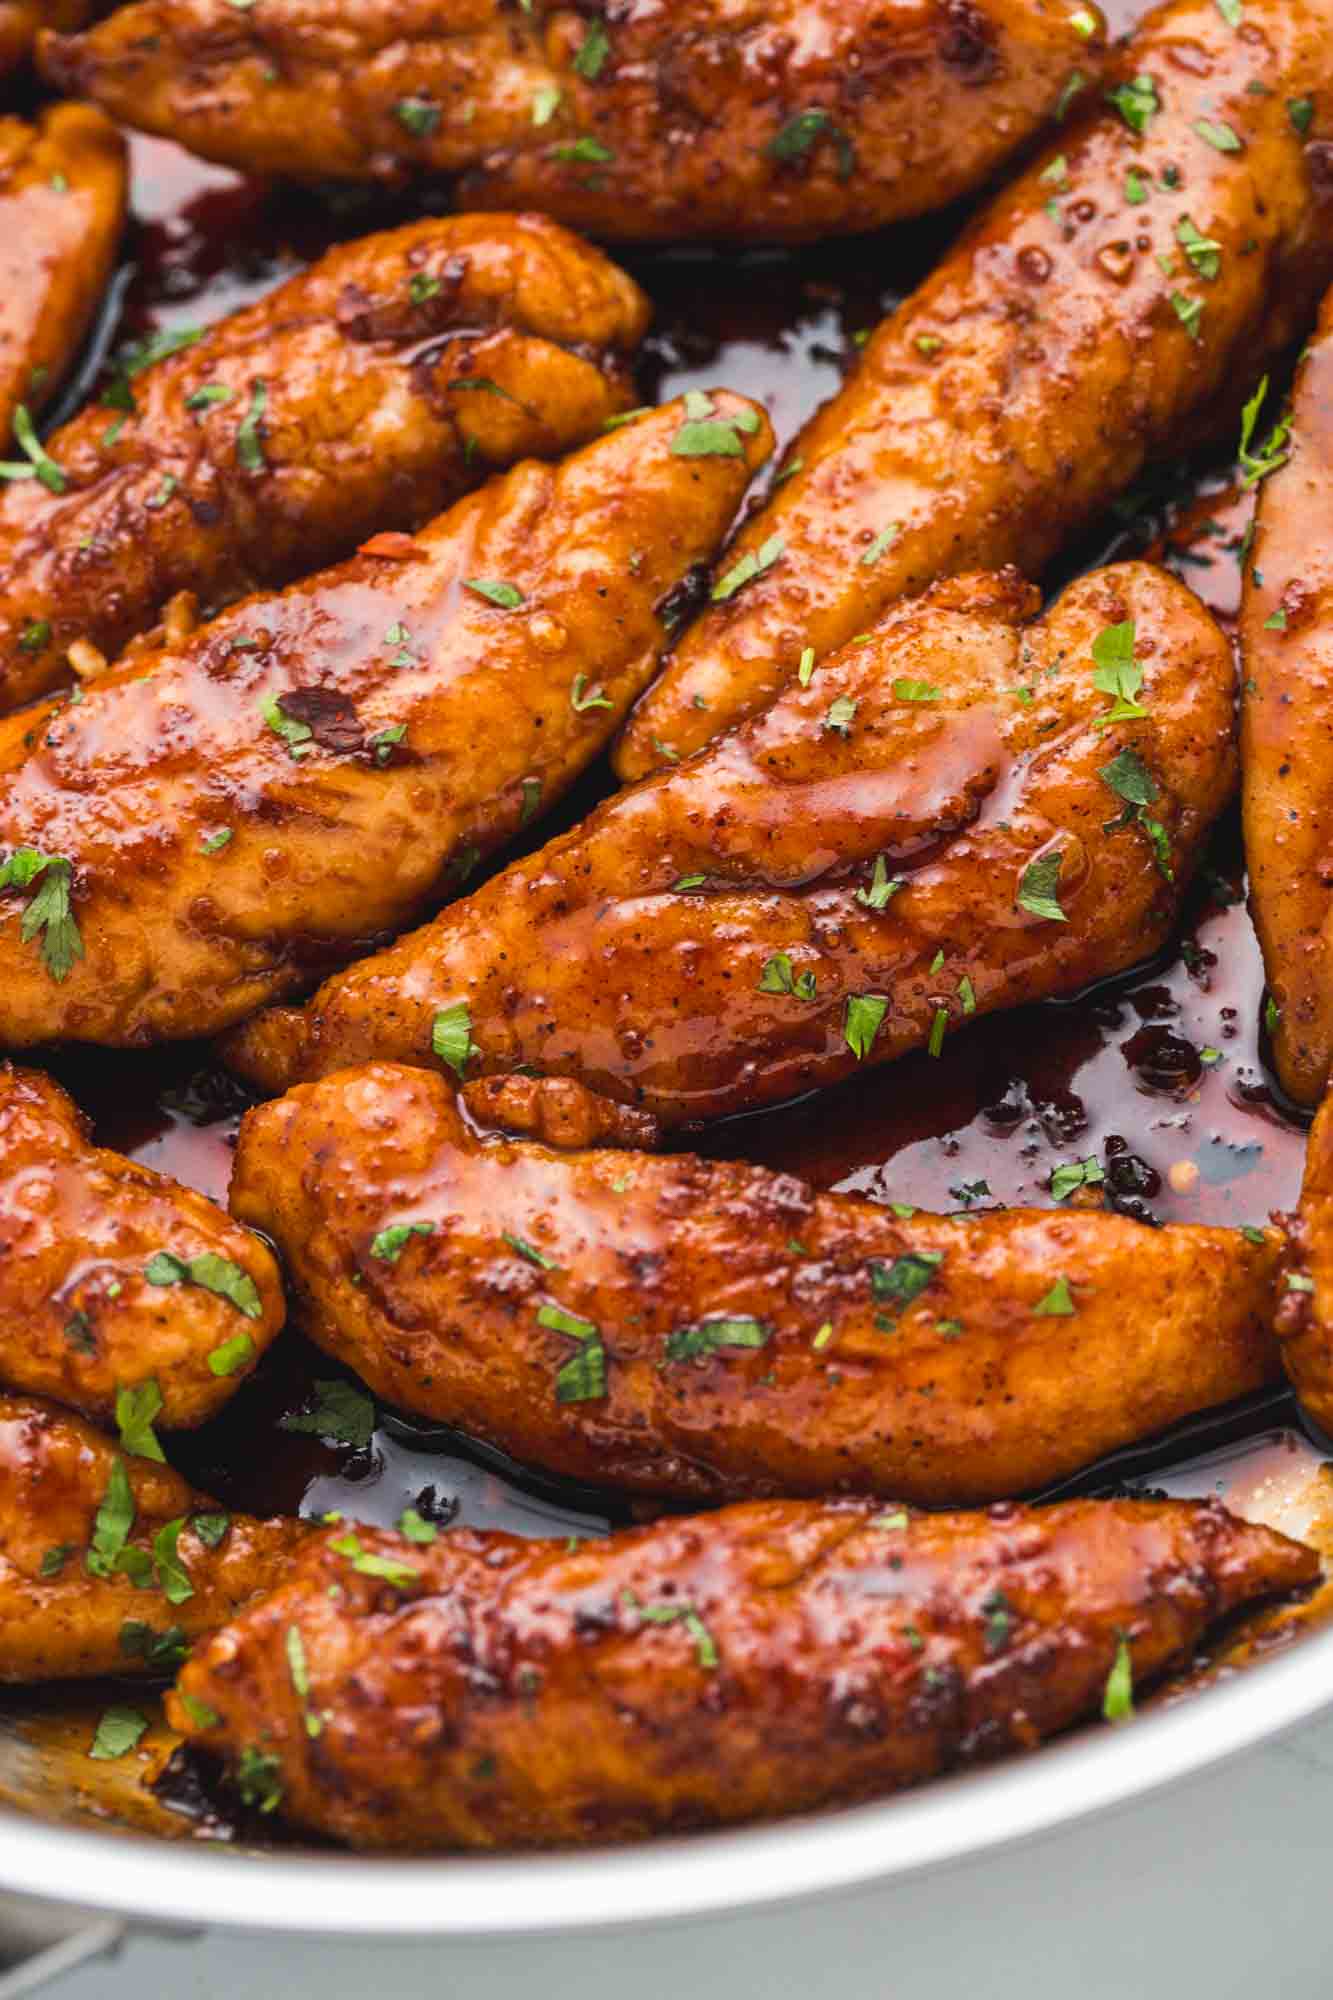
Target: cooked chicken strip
{"x": 365, "y": 394}
{"x": 731, "y": 932}
{"x": 1287, "y": 723}
{"x": 491, "y": 1692}
{"x": 108, "y": 1564}
{"x": 1087, "y": 317}
{"x": 557, "y": 1111}
{"x": 1305, "y": 1317}
{"x": 113, "y": 1277}
{"x": 21, "y": 20}
{"x": 62, "y": 210}
{"x": 314, "y": 769}
{"x": 706, "y": 118}
{"x": 698, "y": 1330}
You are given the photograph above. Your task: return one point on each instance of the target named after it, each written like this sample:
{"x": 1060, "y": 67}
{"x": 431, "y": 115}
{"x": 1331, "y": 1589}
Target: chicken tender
{"x": 702, "y": 119}
{"x": 212, "y": 825}
{"x": 967, "y": 811}
{"x": 489, "y": 1692}
{"x": 1305, "y": 1317}
{"x": 62, "y": 211}
{"x": 705, "y": 1331}
{"x": 557, "y": 1111}
{"x": 110, "y": 1565}
{"x": 115, "y": 1279}
{"x": 1287, "y": 721}
{"x": 363, "y": 395}
{"x": 1143, "y": 265}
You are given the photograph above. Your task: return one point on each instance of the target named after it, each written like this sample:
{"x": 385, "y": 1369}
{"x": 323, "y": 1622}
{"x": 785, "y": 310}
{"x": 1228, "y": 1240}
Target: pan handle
{"x": 41, "y": 1942}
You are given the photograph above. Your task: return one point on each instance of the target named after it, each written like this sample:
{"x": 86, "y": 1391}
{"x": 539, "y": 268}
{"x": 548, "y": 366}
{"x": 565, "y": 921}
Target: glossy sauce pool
{"x": 1159, "y": 1076}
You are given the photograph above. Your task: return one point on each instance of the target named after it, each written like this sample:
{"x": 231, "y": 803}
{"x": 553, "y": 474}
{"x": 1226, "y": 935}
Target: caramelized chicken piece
{"x": 1305, "y": 1317}
{"x": 701, "y": 119}
{"x": 1147, "y": 261}
{"x": 362, "y": 396}
{"x": 109, "y": 1565}
{"x": 707, "y": 1331}
{"x": 1287, "y": 722}
{"x": 943, "y": 822}
{"x": 62, "y": 210}
{"x": 557, "y": 1111}
{"x": 21, "y": 20}
{"x": 490, "y": 1692}
{"x": 316, "y": 769}
{"x": 113, "y": 1277}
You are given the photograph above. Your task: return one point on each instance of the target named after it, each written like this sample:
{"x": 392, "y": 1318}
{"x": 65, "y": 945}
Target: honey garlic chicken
{"x": 211, "y": 825}
{"x": 119, "y": 1288}
{"x": 969, "y": 810}
{"x": 485, "y": 1691}
{"x": 362, "y": 396}
{"x": 21, "y": 21}
{"x": 1287, "y": 721}
{"x": 62, "y": 210}
{"x": 702, "y": 1331}
{"x": 787, "y": 120}
{"x": 1305, "y": 1319}
{"x": 1090, "y": 317}
{"x": 110, "y": 1565}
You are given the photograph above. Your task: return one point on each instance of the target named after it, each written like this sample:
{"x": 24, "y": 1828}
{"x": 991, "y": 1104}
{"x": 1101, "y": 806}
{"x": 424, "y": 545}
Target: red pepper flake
{"x": 394, "y": 547}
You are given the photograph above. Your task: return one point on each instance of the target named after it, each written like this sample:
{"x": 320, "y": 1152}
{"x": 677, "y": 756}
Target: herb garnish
{"x": 777, "y": 977}
{"x": 1118, "y": 1697}
{"x": 211, "y": 1273}
{"x": 1257, "y": 465}
{"x": 1057, "y": 1303}
{"x": 451, "y": 1037}
{"x": 583, "y": 1379}
{"x": 36, "y": 462}
{"x": 1037, "y": 887}
{"x": 709, "y": 1336}
{"x": 507, "y": 596}
{"x": 1073, "y": 1174}
{"x": 1131, "y": 780}
{"x": 882, "y": 886}
{"x": 342, "y": 1413}
{"x": 117, "y": 1732}
{"x": 390, "y": 1243}
{"x": 794, "y": 140}
{"x": 672, "y": 1614}
{"x": 1136, "y": 101}
{"x": 136, "y": 1409}
{"x": 905, "y": 1278}
{"x": 593, "y": 51}
{"x": 48, "y": 911}
{"x": 751, "y": 565}
{"x": 1116, "y": 672}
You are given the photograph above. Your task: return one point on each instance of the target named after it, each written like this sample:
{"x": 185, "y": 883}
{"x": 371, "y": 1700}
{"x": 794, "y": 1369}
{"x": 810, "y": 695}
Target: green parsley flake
{"x": 1118, "y": 1696}
{"x": 880, "y": 543}
{"x": 582, "y": 1380}
{"x": 1202, "y": 252}
{"x": 882, "y": 886}
{"x": 235, "y": 1353}
{"x": 118, "y": 1731}
{"x": 575, "y": 151}
{"x": 172, "y": 1574}
{"x": 111, "y": 1524}
{"x": 796, "y": 138}
{"x": 908, "y": 690}
{"x": 1189, "y": 312}
{"x": 905, "y": 1278}
{"x": 1116, "y": 672}
{"x": 418, "y": 116}
{"x": 415, "y": 1528}
{"x": 1219, "y": 134}
{"x": 581, "y": 698}
{"x": 754, "y": 564}
{"x": 390, "y": 1243}
{"x": 710, "y": 1336}
{"x": 705, "y": 1647}
{"x": 451, "y": 1037}
{"x": 1300, "y": 110}
{"x": 259, "y": 1779}
{"x": 840, "y": 715}
{"x": 295, "y": 734}
{"x": 199, "y": 1712}
{"x": 1038, "y": 885}
{"x": 136, "y": 1409}
{"x": 1257, "y": 465}
{"x": 1076, "y": 1174}
{"x": 593, "y": 51}
{"x": 343, "y": 1414}
{"x": 36, "y": 462}
{"x": 545, "y": 103}
{"x": 1057, "y": 1303}
{"x": 777, "y": 977}
{"x": 506, "y": 596}
{"x": 213, "y": 843}
{"x": 1136, "y": 101}
{"x": 48, "y": 911}
{"x": 211, "y": 1273}
{"x": 938, "y": 1028}
{"x": 865, "y": 1014}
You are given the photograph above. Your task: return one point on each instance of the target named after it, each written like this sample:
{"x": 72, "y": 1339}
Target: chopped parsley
{"x": 1073, "y": 1174}
{"x": 1257, "y": 465}
{"x": 1116, "y": 672}
{"x": 259, "y": 1779}
{"x": 545, "y": 103}
{"x": 795, "y": 139}
{"x": 582, "y": 1380}
{"x": 1131, "y": 780}
{"x": 506, "y": 596}
{"x": 235, "y": 1353}
{"x": 213, "y": 843}
{"x": 840, "y": 715}
{"x": 136, "y": 1410}
{"x": 909, "y": 690}
{"x": 342, "y": 1413}
{"x": 583, "y": 148}
{"x": 1136, "y": 101}
{"x": 451, "y": 1037}
{"x": 709, "y": 1336}
{"x": 1202, "y": 252}
{"x": 249, "y": 437}
{"x": 905, "y": 1278}
{"x": 529, "y": 1251}
{"x": 1188, "y": 311}
{"x": 418, "y": 116}
{"x": 593, "y": 51}
{"x": 390, "y": 1243}
{"x": 415, "y": 1528}
{"x": 48, "y": 910}
{"x": 777, "y": 977}
{"x": 1300, "y": 110}
{"x": 938, "y": 1029}
{"x": 172, "y": 1574}
{"x": 35, "y": 635}
{"x": 111, "y": 1524}
{"x": 755, "y": 562}
{"x": 1038, "y": 885}
{"x": 1219, "y": 134}
{"x": 582, "y": 698}
{"x": 1118, "y": 1695}
{"x": 295, "y": 734}
{"x": 1057, "y": 1303}
{"x": 36, "y": 462}
{"x": 881, "y": 542}
{"x": 705, "y": 1647}
{"x": 865, "y": 1014}
{"x": 211, "y": 1273}
{"x": 882, "y": 886}
{"x": 118, "y": 1731}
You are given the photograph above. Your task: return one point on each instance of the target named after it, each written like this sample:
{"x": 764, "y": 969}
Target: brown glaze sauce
{"x": 1159, "y": 1075}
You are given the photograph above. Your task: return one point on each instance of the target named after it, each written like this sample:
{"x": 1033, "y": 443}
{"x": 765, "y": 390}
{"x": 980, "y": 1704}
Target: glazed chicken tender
{"x": 212, "y": 825}
{"x": 704, "y": 118}
{"x": 113, "y": 1278}
{"x": 704, "y": 1331}
{"x": 1145, "y": 264}
{"x": 62, "y": 210}
{"x": 969, "y": 810}
{"x": 110, "y": 1565}
{"x": 1287, "y": 722}
{"x": 363, "y": 395}
{"x": 491, "y": 1692}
